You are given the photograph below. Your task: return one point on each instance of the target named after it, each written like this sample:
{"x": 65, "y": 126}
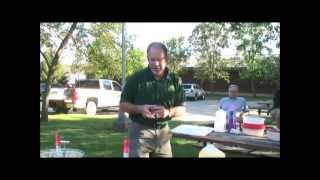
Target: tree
{"x": 135, "y": 59}
{"x": 178, "y": 53}
{"x": 252, "y": 39}
{"x": 58, "y": 74}
{"x": 266, "y": 70}
{"x": 209, "y": 39}
{"x": 104, "y": 53}
{"x": 270, "y": 69}
{"x": 98, "y": 51}
{"x": 52, "y": 61}
{"x": 81, "y": 41}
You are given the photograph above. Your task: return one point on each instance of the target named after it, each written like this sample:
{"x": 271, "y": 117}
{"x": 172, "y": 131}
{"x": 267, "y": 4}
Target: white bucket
{"x": 250, "y": 119}
{"x": 253, "y": 132}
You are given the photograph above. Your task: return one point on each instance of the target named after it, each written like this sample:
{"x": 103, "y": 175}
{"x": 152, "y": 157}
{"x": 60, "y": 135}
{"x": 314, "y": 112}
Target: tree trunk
{"x": 52, "y": 67}
{"x": 45, "y": 103}
{"x": 122, "y": 123}
{"x": 212, "y": 87}
{"x": 201, "y": 83}
{"x": 253, "y": 90}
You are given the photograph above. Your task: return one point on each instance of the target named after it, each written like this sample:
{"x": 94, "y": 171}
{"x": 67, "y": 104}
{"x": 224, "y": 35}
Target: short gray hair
{"x": 233, "y": 85}
{"x": 158, "y": 45}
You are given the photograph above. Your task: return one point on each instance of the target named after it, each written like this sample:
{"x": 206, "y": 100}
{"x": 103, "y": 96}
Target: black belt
{"x": 160, "y": 126}
{"x": 156, "y": 125}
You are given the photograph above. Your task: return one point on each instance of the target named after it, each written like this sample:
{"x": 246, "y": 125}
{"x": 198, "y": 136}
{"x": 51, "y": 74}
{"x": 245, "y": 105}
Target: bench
{"x": 261, "y": 107}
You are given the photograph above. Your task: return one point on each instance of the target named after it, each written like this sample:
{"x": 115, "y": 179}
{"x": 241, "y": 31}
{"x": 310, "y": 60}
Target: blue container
{"x": 231, "y": 123}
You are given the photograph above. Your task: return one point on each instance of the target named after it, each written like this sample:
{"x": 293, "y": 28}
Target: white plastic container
{"x": 210, "y": 151}
{"x": 220, "y": 121}
{"x": 253, "y": 125}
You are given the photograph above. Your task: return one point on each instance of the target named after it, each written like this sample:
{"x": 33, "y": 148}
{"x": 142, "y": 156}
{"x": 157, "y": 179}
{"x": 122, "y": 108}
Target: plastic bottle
{"x": 58, "y": 152}
{"x": 210, "y": 151}
{"x": 125, "y": 148}
{"x": 220, "y": 121}
{"x": 230, "y": 121}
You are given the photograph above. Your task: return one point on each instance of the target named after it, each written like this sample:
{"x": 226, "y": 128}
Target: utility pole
{"x": 123, "y": 56}
{"x": 122, "y": 122}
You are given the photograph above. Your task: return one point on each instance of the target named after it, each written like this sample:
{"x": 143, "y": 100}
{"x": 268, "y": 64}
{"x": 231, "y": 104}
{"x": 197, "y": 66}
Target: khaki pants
{"x": 149, "y": 142}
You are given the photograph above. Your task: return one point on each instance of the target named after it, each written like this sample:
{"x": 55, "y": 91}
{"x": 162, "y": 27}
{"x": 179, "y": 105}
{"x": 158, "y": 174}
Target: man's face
{"x": 157, "y": 61}
{"x": 233, "y": 92}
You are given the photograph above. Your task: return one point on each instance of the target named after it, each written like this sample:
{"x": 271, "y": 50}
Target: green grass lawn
{"x": 94, "y": 135}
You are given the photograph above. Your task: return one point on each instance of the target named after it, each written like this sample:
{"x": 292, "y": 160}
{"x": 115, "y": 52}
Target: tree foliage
{"x": 178, "y": 53}
{"x": 252, "y": 40}
{"x": 99, "y": 52}
{"x": 208, "y": 39}
{"x": 135, "y": 59}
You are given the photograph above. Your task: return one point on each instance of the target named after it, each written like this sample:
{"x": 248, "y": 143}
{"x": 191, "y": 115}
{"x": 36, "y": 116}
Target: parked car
{"x": 194, "y": 91}
{"x": 86, "y": 95}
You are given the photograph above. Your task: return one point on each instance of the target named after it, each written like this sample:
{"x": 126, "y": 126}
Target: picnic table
{"x": 266, "y": 105}
{"x": 262, "y": 105}
{"x": 244, "y": 141}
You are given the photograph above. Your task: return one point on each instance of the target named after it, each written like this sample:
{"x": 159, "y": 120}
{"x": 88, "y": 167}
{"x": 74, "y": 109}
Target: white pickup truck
{"x": 86, "y": 95}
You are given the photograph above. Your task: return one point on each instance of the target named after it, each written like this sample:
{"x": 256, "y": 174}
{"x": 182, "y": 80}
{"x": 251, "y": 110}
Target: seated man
{"x": 275, "y": 110}
{"x": 233, "y": 102}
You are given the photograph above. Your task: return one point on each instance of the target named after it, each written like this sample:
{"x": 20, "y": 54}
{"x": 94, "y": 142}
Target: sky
{"x": 145, "y": 33}
{"x": 150, "y": 32}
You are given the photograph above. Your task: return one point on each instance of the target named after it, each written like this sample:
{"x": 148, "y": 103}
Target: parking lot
{"x": 202, "y": 111}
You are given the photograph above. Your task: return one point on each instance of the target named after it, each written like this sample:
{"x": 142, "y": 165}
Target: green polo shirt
{"x": 142, "y": 88}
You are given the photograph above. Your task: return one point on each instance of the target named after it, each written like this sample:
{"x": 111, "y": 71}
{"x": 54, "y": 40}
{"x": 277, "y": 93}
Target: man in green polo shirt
{"x": 152, "y": 97}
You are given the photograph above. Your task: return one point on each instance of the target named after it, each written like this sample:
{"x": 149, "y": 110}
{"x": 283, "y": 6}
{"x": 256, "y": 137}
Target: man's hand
{"x": 160, "y": 112}
{"x": 147, "y": 111}
{"x": 239, "y": 118}
{"x": 150, "y": 111}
